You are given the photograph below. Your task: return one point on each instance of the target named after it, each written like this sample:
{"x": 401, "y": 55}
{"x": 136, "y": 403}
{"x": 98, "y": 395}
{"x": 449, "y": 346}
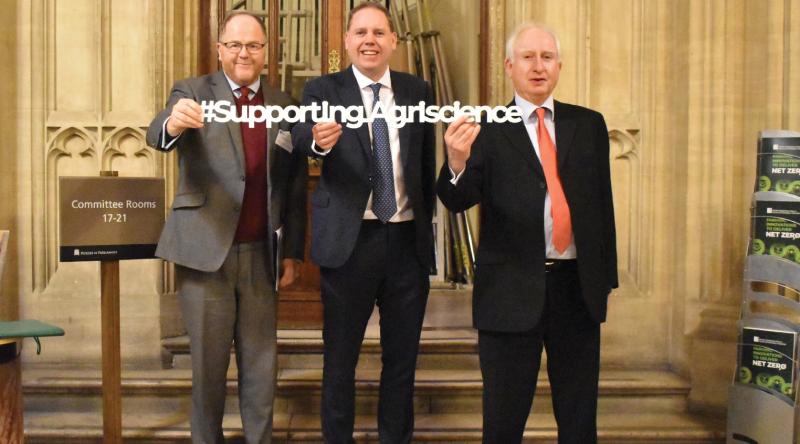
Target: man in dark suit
{"x": 371, "y": 224}
{"x": 241, "y": 192}
{"x": 547, "y": 255}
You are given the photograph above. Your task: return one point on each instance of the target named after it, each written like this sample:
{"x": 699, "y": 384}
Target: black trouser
{"x": 510, "y": 366}
{"x": 383, "y": 268}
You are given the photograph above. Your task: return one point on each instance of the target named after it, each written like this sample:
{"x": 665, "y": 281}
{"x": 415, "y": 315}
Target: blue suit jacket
{"x": 339, "y": 201}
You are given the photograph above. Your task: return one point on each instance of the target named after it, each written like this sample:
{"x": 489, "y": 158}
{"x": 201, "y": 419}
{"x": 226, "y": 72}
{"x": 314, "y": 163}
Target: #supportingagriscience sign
{"x": 396, "y": 116}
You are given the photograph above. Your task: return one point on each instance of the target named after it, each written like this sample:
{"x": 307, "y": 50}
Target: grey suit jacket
{"x": 205, "y": 212}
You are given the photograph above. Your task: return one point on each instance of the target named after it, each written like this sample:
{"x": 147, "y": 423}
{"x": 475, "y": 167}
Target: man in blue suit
{"x": 371, "y": 224}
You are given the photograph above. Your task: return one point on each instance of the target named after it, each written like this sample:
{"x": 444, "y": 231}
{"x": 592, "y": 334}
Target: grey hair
{"x": 522, "y": 27}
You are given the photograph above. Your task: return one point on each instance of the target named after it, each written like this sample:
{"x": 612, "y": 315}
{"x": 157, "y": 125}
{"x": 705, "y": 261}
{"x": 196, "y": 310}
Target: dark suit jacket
{"x": 339, "y": 201}
{"x": 505, "y": 176}
{"x": 205, "y": 212}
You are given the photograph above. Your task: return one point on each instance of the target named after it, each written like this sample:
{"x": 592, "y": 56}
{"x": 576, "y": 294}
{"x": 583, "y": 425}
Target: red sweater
{"x": 253, "y": 218}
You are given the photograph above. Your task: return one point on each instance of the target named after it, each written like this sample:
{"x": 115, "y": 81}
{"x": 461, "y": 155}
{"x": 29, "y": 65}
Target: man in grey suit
{"x": 239, "y": 211}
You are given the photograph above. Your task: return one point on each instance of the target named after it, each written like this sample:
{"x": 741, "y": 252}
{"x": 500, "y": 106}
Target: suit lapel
{"x": 351, "y": 96}
{"x": 521, "y": 142}
{"x": 222, "y": 91}
{"x": 565, "y": 133}
{"x": 402, "y": 97}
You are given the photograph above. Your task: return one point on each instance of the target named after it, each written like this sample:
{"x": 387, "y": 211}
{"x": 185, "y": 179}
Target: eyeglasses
{"x": 237, "y": 46}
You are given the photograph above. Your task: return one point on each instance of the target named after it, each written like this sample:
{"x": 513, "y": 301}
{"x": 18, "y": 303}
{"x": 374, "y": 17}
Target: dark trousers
{"x": 510, "y": 366}
{"x": 383, "y": 269}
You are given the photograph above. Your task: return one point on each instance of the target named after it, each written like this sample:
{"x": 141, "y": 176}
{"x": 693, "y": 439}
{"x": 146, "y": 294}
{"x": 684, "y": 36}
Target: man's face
{"x": 370, "y": 42}
{"x": 243, "y": 66}
{"x": 535, "y": 66}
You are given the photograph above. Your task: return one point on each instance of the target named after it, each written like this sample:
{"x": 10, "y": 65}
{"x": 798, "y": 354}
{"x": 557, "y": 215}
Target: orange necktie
{"x": 562, "y": 224}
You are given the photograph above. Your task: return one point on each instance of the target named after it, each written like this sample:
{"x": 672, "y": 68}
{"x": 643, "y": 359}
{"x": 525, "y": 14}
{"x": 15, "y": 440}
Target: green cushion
{"x": 28, "y": 328}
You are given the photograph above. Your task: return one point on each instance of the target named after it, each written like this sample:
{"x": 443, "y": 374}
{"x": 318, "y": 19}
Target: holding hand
{"x": 291, "y": 271}
{"x": 185, "y": 114}
{"x": 459, "y": 138}
{"x": 326, "y": 134}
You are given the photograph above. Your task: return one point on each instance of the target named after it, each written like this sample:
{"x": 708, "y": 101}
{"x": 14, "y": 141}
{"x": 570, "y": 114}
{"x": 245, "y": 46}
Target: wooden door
{"x": 305, "y": 40}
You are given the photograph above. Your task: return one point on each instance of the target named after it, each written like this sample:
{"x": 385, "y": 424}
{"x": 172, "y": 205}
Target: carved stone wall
{"x": 94, "y": 73}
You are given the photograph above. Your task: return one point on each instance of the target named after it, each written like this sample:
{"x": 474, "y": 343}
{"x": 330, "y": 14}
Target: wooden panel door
{"x": 305, "y": 39}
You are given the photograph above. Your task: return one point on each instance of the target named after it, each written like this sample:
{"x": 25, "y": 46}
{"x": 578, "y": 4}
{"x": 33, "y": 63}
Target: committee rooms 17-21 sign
{"x": 110, "y": 218}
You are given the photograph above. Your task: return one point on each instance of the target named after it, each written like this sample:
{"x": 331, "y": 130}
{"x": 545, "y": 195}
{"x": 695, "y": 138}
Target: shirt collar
{"x": 235, "y": 86}
{"x": 528, "y": 108}
{"x": 364, "y": 81}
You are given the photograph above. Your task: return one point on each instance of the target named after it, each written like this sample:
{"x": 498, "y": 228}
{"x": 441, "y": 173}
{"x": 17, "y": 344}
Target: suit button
{"x": 542, "y": 185}
{"x": 236, "y": 209}
{"x": 241, "y": 178}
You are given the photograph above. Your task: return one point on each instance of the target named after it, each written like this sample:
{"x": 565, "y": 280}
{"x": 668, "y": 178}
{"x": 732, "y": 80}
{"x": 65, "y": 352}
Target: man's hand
{"x": 291, "y": 271}
{"x": 326, "y": 134}
{"x": 458, "y": 138}
{"x": 185, "y": 114}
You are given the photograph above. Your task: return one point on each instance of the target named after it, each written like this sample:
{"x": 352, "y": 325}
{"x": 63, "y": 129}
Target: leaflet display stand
{"x": 763, "y": 400}
{"x": 763, "y": 403}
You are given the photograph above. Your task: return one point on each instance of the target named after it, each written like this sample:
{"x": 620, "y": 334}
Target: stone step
{"x": 438, "y": 348}
{"x": 298, "y": 391}
{"x": 433, "y": 340}
{"x": 629, "y": 428}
